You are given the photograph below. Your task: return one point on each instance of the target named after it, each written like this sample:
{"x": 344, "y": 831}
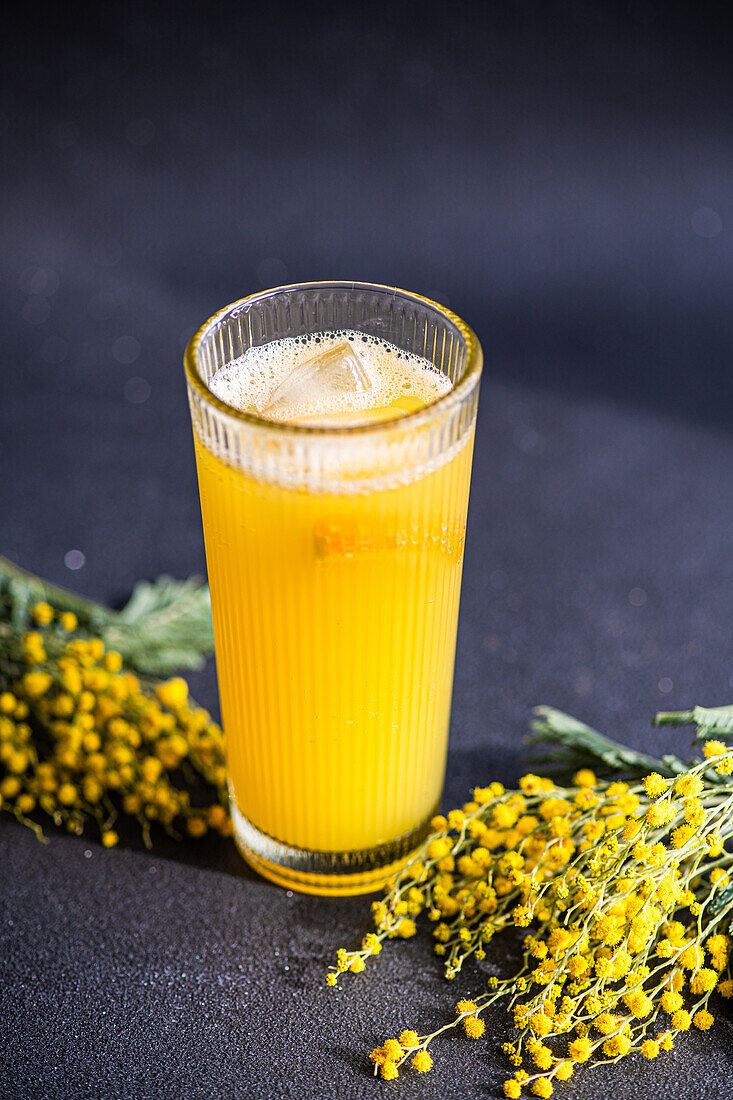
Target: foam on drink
{"x": 341, "y": 376}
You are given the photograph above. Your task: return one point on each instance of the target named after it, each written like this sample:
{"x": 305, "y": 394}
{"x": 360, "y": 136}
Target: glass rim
{"x": 455, "y": 396}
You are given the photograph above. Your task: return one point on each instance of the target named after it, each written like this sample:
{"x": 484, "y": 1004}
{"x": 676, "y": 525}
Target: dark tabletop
{"x": 576, "y": 209}
{"x": 597, "y": 578}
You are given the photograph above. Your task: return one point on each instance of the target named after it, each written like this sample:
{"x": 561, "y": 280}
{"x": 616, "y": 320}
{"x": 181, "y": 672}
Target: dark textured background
{"x": 560, "y": 175}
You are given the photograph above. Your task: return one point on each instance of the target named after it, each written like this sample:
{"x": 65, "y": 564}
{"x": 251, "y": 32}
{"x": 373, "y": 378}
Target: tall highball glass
{"x": 334, "y": 556}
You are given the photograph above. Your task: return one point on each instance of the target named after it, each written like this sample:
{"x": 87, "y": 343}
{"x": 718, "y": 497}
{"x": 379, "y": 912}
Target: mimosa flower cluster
{"x": 83, "y": 739}
{"x": 620, "y": 891}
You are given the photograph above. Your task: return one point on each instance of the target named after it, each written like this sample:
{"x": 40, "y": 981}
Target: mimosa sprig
{"x": 82, "y": 738}
{"x": 164, "y": 627}
{"x": 623, "y": 887}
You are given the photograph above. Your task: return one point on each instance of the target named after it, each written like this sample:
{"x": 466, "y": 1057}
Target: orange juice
{"x": 335, "y": 612}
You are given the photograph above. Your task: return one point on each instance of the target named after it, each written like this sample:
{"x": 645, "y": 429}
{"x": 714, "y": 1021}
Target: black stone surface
{"x": 597, "y": 578}
{"x": 560, "y": 175}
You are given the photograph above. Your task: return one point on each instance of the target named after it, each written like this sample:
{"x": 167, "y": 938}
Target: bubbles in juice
{"x": 333, "y": 377}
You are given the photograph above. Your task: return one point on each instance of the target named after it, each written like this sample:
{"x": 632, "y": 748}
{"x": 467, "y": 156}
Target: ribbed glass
{"x": 334, "y": 559}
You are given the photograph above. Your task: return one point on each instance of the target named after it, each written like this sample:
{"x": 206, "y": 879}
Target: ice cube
{"x": 318, "y": 383}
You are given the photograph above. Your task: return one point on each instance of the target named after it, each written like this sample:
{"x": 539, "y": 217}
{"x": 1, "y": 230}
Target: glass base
{"x": 331, "y": 874}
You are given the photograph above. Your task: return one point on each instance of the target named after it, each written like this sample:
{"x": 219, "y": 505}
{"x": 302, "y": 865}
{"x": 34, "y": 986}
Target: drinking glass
{"x": 334, "y": 555}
